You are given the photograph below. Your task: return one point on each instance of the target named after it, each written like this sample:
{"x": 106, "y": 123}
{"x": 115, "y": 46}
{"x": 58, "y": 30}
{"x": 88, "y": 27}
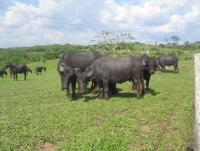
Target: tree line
{"x": 105, "y": 42}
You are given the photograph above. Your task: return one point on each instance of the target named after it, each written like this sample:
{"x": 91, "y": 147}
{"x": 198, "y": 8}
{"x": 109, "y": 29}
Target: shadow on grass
{"x": 127, "y": 95}
{"x": 152, "y": 92}
{"x": 168, "y": 71}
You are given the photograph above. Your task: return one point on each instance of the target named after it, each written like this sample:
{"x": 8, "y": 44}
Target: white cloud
{"x": 76, "y": 21}
{"x": 179, "y": 23}
{"x": 152, "y": 16}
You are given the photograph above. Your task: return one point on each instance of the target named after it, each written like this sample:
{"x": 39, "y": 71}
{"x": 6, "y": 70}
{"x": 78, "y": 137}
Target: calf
{"x": 83, "y": 80}
{"x": 40, "y": 69}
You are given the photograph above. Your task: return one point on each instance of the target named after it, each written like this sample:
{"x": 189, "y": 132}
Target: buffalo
{"x": 40, "y": 69}
{"x": 107, "y": 70}
{"x": 148, "y": 68}
{"x": 3, "y": 72}
{"x": 170, "y": 60}
{"x": 83, "y": 79}
{"x": 67, "y": 65}
{"x": 18, "y": 68}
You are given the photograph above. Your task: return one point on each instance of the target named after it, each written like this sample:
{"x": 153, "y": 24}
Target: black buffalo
{"x": 18, "y": 68}
{"x": 148, "y": 69}
{"x": 67, "y": 65}
{"x": 163, "y": 61}
{"x": 40, "y": 69}
{"x": 107, "y": 70}
{"x": 83, "y": 79}
{"x": 2, "y": 72}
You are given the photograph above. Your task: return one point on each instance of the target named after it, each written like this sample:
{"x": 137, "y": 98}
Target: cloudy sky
{"x": 38, "y": 22}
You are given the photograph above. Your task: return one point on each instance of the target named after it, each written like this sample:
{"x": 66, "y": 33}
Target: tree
{"x": 186, "y": 43}
{"x": 110, "y": 41}
{"x": 175, "y": 40}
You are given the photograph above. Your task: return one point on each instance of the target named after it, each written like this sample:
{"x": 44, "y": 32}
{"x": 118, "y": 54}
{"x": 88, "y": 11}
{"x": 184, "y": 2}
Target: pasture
{"x": 35, "y": 114}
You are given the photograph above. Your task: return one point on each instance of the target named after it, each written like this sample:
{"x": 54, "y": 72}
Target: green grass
{"x": 36, "y": 111}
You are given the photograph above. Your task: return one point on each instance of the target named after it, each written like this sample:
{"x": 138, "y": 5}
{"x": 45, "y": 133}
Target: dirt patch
{"x": 125, "y": 111}
{"x": 147, "y": 128}
{"x": 99, "y": 120}
{"x": 47, "y": 147}
{"x": 30, "y": 124}
{"x": 150, "y": 125}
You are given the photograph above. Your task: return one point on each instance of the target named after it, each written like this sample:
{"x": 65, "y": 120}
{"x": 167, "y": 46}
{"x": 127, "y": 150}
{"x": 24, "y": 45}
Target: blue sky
{"x": 39, "y": 22}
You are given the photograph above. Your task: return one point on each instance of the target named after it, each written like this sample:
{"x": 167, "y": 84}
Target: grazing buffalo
{"x": 107, "y": 70}
{"x": 67, "y": 65}
{"x": 40, "y": 69}
{"x": 18, "y": 68}
{"x": 163, "y": 61}
{"x": 2, "y": 72}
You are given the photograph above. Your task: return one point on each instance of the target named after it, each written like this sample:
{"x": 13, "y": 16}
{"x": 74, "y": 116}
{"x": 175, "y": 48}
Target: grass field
{"x": 36, "y": 115}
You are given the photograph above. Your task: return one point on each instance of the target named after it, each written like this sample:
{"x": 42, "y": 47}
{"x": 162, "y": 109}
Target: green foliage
{"x": 49, "y": 52}
{"x": 36, "y": 53}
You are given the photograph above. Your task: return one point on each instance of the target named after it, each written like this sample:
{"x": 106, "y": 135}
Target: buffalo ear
{"x": 77, "y": 71}
{"x": 144, "y": 63}
{"x": 89, "y": 72}
{"x": 61, "y": 67}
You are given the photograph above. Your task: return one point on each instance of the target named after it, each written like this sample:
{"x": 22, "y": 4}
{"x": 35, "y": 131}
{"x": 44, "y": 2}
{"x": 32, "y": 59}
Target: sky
{"x": 40, "y": 22}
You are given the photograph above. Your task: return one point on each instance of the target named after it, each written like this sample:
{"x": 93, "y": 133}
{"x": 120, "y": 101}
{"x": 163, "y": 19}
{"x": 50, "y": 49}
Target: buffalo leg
{"x": 163, "y": 67}
{"x": 105, "y": 89}
{"x": 24, "y": 75}
{"x": 100, "y": 90}
{"x": 137, "y": 89}
{"x": 139, "y": 84}
{"x": 67, "y": 89}
{"x": 112, "y": 88}
{"x": 62, "y": 82}
{"x": 142, "y": 87}
{"x": 147, "y": 82}
{"x": 73, "y": 88}
{"x": 14, "y": 76}
{"x": 176, "y": 67}
{"x": 93, "y": 86}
